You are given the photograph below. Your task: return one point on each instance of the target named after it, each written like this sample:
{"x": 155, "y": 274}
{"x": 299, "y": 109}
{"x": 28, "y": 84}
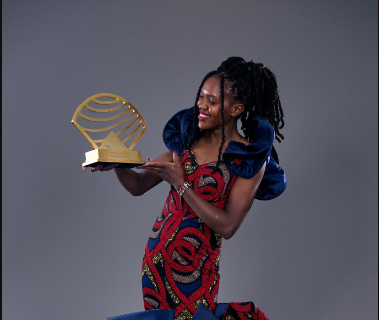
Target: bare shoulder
{"x": 242, "y": 139}
{"x": 247, "y": 188}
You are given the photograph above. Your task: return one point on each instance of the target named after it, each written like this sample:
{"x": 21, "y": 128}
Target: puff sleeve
{"x": 178, "y": 130}
{"x": 246, "y": 160}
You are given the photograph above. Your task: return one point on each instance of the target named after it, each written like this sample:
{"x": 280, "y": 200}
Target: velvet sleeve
{"x": 178, "y": 130}
{"x": 247, "y": 160}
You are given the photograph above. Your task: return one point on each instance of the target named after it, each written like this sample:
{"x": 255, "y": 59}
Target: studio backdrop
{"x": 73, "y": 241}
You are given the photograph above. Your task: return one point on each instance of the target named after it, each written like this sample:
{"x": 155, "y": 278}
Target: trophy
{"x": 124, "y": 122}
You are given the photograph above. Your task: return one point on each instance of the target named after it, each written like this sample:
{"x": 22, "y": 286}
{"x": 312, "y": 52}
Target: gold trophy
{"x": 127, "y": 121}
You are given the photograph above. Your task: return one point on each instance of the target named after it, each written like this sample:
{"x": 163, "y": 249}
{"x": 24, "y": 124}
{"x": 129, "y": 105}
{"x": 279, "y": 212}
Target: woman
{"x": 215, "y": 173}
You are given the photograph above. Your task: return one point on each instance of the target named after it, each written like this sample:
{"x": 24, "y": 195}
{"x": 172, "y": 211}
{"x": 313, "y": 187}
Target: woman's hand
{"x": 136, "y": 183}
{"x": 100, "y": 168}
{"x": 170, "y": 172}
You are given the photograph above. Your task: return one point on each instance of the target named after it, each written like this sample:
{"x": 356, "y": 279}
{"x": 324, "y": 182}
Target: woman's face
{"x": 209, "y": 105}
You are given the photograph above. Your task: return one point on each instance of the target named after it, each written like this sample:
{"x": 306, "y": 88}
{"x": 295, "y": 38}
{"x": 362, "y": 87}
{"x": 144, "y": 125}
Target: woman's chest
{"x": 205, "y": 152}
{"x": 211, "y": 181}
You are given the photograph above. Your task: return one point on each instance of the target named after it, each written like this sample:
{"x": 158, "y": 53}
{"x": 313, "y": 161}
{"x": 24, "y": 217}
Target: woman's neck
{"x": 214, "y": 137}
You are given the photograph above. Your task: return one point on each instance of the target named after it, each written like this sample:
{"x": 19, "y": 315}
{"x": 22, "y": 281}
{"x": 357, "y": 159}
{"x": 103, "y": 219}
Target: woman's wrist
{"x": 183, "y": 188}
{"x": 178, "y": 185}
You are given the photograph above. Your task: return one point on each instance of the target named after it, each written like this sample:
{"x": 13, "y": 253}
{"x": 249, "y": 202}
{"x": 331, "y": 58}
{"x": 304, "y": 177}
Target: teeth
{"x": 203, "y": 116}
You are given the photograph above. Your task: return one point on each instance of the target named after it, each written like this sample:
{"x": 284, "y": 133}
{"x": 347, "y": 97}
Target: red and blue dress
{"x": 180, "y": 268}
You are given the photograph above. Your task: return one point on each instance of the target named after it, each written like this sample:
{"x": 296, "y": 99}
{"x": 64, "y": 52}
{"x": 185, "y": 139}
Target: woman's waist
{"x": 188, "y": 235}
{"x": 178, "y": 206}
{"x": 185, "y": 257}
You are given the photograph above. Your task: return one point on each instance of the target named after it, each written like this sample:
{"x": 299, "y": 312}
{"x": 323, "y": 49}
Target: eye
{"x": 212, "y": 102}
{"x": 201, "y": 97}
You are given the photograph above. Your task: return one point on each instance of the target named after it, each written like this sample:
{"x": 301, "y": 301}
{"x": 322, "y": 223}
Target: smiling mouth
{"x": 203, "y": 116}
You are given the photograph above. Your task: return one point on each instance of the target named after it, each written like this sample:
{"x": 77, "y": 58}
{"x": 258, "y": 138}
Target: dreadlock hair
{"x": 195, "y": 128}
{"x": 222, "y": 81}
{"x": 253, "y": 85}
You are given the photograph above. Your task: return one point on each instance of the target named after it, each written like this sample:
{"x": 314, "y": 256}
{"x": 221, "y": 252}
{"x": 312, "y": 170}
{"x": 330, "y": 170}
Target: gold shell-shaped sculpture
{"x": 127, "y": 114}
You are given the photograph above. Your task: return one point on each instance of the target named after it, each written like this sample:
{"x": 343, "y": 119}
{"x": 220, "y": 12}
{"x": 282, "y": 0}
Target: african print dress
{"x": 180, "y": 268}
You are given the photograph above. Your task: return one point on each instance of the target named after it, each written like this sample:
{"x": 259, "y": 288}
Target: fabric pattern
{"x": 181, "y": 261}
{"x": 180, "y": 266}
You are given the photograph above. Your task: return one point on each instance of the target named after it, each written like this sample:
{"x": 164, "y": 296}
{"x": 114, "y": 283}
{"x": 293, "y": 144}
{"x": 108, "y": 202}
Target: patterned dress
{"x": 181, "y": 261}
{"x": 180, "y": 278}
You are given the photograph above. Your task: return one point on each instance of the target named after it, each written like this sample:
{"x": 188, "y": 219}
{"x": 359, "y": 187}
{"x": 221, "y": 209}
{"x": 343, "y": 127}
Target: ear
{"x": 237, "y": 109}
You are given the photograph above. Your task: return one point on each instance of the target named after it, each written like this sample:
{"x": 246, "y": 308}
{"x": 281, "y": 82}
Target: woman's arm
{"x": 138, "y": 183}
{"x": 224, "y": 222}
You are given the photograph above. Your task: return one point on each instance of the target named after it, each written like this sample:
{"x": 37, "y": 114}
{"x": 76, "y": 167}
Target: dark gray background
{"x": 73, "y": 241}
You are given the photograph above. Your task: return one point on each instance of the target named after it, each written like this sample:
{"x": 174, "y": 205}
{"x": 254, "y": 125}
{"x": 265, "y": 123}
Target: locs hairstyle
{"x": 253, "y": 85}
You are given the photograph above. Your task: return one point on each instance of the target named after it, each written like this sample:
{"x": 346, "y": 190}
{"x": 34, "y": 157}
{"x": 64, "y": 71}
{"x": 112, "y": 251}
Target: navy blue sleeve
{"x": 178, "y": 130}
{"x": 247, "y": 160}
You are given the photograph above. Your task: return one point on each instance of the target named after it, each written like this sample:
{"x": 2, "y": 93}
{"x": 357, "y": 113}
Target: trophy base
{"x": 121, "y": 158}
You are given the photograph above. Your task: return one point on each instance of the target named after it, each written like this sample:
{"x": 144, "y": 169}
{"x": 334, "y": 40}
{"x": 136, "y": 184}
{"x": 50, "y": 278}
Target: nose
{"x": 201, "y": 104}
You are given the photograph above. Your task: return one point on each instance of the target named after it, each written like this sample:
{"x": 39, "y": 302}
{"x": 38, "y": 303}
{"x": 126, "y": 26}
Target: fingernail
{"x": 100, "y": 166}
{"x": 139, "y": 167}
{"x": 175, "y": 152}
{"x": 112, "y": 166}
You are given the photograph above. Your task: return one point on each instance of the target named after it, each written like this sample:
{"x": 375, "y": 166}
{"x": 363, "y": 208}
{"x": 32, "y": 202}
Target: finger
{"x": 103, "y": 168}
{"x": 108, "y": 168}
{"x": 97, "y": 168}
{"x": 84, "y": 168}
{"x": 155, "y": 164}
{"x": 175, "y": 157}
{"x": 152, "y": 169}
